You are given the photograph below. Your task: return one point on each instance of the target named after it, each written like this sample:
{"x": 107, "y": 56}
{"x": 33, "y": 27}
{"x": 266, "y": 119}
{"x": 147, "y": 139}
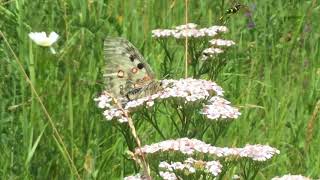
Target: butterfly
{"x": 127, "y": 74}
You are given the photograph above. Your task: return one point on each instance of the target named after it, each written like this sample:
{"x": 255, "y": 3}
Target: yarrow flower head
{"x": 210, "y": 52}
{"x": 291, "y": 177}
{"x": 217, "y": 108}
{"x": 135, "y": 177}
{"x": 168, "y": 175}
{"x": 258, "y": 152}
{"x": 191, "y": 166}
{"x": 186, "y": 26}
{"x": 221, "y": 42}
{"x": 183, "y": 145}
{"x": 186, "y": 90}
{"x": 111, "y": 110}
{"x": 217, "y": 45}
{"x": 191, "y": 146}
{"x": 188, "y": 30}
{"x": 189, "y": 90}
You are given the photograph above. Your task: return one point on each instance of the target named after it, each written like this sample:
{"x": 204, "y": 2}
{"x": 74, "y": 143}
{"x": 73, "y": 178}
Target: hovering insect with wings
{"x": 127, "y": 74}
{"x": 234, "y": 9}
{"x": 237, "y": 7}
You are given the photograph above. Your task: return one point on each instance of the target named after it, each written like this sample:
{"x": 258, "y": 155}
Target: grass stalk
{"x": 186, "y": 41}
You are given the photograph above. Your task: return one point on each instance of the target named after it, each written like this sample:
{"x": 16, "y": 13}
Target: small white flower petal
{"x": 53, "y": 37}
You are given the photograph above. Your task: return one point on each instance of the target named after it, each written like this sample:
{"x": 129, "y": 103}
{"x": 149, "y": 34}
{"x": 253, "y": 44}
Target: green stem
{"x": 70, "y": 111}
{"x": 33, "y": 80}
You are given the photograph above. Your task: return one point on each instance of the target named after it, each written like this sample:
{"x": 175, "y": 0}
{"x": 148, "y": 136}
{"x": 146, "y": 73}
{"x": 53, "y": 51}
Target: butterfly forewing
{"x": 127, "y": 73}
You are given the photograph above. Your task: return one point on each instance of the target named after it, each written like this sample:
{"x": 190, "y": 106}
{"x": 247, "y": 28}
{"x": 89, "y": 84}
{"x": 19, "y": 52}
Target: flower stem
{"x": 186, "y": 42}
{"x": 33, "y": 80}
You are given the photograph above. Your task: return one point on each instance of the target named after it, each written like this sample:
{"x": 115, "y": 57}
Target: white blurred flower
{"x": 135, "y": 177}
{"x": 186, "y": 26}
{"x": 219, "y": 29}
{"x": 157, "y": 33}
{"x": 103, "y": 101}
{"x": 221, "y": 42}
{"x": 188, "y": 30}
{"x": 258, "y": 152}
{"x": 208, "y": 32}
{"x": 168, "y": 175}
{"x": 291, "y": 177}
{"x": 41, "y": 38}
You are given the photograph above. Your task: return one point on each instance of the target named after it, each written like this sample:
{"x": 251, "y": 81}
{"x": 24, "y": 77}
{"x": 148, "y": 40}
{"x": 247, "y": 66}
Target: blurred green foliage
{"x": 272, "y": 75}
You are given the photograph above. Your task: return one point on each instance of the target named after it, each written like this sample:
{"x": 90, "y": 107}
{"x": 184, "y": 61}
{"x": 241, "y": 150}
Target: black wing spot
{"x": 132, "y": 57}
{"x": 140, "y": 65}
{"x": 206, "y": 54}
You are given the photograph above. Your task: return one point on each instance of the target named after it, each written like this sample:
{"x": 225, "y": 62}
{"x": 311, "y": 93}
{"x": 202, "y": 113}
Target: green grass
{"x": 273, "y": 74}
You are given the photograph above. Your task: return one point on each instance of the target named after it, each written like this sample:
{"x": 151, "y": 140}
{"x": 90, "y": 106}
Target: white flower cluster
{"x": 257, "y": 152}
{"x": 190, "y": 146}
{"x": 135, "y": 177}
{"x": 291, "y": 177}
{"x": 168, "y": 175}
{"x": 189, "y": 90}
{"x": 188, "y": 30}
{"x": 218, "y": 107}
{"x": 221, "y": 42}
{"x": 111, "y": 111}
{"x": 212, "y": 51}
{"x": 216, "y": 48}
{"x": 213, "y": 167}
{"x": 186, "y": 26}
{"x": 191, "y": 165}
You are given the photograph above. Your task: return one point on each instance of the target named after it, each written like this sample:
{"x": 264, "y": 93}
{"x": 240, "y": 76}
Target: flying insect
{"x": 233, "y": 10}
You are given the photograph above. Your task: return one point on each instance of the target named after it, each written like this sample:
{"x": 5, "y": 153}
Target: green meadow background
{"x": 272, "y": 75}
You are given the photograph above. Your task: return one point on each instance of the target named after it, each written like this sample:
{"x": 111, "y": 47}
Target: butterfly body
{"x": 127, "y": 74}
{"x": 234, "y": 9}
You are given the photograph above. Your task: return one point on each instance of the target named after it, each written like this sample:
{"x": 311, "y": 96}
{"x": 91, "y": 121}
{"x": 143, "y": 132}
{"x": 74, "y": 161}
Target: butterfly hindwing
{"x": 126, "y": 73}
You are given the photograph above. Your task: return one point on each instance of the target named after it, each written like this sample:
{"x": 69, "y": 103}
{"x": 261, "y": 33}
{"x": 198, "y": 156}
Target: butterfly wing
{"x": 126, "y": 73}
